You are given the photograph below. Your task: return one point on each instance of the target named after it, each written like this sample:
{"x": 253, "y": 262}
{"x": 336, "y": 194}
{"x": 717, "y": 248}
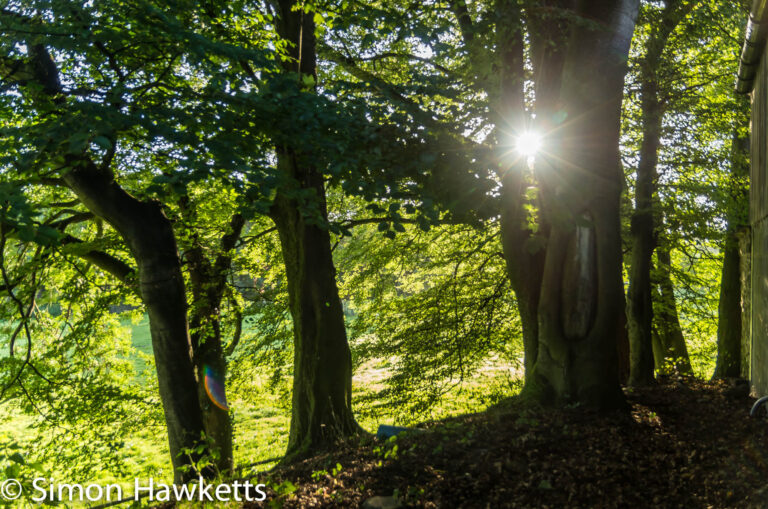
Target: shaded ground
{"x": 684, "y": 443}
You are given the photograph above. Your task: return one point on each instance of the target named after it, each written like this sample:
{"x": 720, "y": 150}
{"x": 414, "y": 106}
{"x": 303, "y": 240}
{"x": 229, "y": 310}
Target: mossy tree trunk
{"x": 321, "y": 411}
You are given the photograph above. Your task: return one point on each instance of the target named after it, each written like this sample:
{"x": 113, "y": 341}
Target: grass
{"x": 141, "y": 341}
{"x": 261, "y": 424}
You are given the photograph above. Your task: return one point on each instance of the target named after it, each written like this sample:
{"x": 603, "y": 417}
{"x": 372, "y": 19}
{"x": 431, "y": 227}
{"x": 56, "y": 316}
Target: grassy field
{"x": 261, "y": 424}
{"x": 260, "y": 431}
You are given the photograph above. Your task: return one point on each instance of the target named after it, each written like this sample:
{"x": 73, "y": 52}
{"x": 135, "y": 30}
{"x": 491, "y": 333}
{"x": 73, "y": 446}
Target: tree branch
{"x": 105, "y": 261}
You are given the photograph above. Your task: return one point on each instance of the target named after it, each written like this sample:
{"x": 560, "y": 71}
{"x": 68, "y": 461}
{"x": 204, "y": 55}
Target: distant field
{"x": 141, "y": 340}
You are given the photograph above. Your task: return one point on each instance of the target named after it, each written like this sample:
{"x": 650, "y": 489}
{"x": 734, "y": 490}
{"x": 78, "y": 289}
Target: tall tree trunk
{"x": 149, "y": 235}
{"x": 670, "y": 347}
{"x": 639, "y": 298}
{"x": 729, "y": 312}
{"x": 729, "y": 324}
{"x": 582, "y": 289}
{"x": 322, "y": 371}
{"x": 321, "y": 410}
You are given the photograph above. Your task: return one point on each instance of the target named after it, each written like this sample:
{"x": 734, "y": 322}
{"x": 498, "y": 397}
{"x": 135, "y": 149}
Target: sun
{"x": 528, "y": 143}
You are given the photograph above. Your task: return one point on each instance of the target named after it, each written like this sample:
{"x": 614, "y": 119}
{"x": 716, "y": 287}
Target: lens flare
{"x": 528, "y": 143}
{"x": 214, "y": 387}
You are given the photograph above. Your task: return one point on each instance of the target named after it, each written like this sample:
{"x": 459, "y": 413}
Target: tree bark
{"x": 321, "y": 410}
{"x": 729, "y": 324}
{"x": 582, "y": 287}
{"x": 149, "y": 235}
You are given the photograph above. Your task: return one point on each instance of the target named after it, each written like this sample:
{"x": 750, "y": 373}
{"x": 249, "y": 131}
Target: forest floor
{"x": 683, "y": 443}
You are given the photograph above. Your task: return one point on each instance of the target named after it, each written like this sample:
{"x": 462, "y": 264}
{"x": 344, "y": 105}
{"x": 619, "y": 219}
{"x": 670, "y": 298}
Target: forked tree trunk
{"x": 582, "y": 290}
{"x": 149, "y": 235}
{"x": 670, "y": 349}
{"x": 321, "y": 411}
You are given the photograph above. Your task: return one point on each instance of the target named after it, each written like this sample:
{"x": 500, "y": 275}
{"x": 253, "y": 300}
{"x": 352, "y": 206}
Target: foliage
{"x": 184, "y": 101}
{"x": 437, "y": 326}
{"x": 697, "y": 190}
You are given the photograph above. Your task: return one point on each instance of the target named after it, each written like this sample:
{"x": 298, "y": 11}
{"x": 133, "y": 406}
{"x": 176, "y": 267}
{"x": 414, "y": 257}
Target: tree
{"x": 687, "y": 87}
{"x": 564, "y": 39}
{"x": 581, "y": 186}
{"x": 80, "y": 115}
{"x": 322, "y": 382}
{"x": 729, "y": 325}
{"x": 640, "y": 309}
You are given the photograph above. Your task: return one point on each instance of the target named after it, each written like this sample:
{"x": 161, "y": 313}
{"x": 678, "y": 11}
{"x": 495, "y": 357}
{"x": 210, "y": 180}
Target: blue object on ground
{"x": 385, "y": 431}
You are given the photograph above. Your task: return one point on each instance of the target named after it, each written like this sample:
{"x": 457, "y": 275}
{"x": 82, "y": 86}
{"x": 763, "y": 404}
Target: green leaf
{"x": 78, "y": 143}
{"x": 18, "y": 458}
{"x": 103, "y": 142}
{"x": 308, "y": 80}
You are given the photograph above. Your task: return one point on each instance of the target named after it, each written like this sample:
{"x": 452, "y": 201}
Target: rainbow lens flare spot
{"x": 214, "y": 387}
